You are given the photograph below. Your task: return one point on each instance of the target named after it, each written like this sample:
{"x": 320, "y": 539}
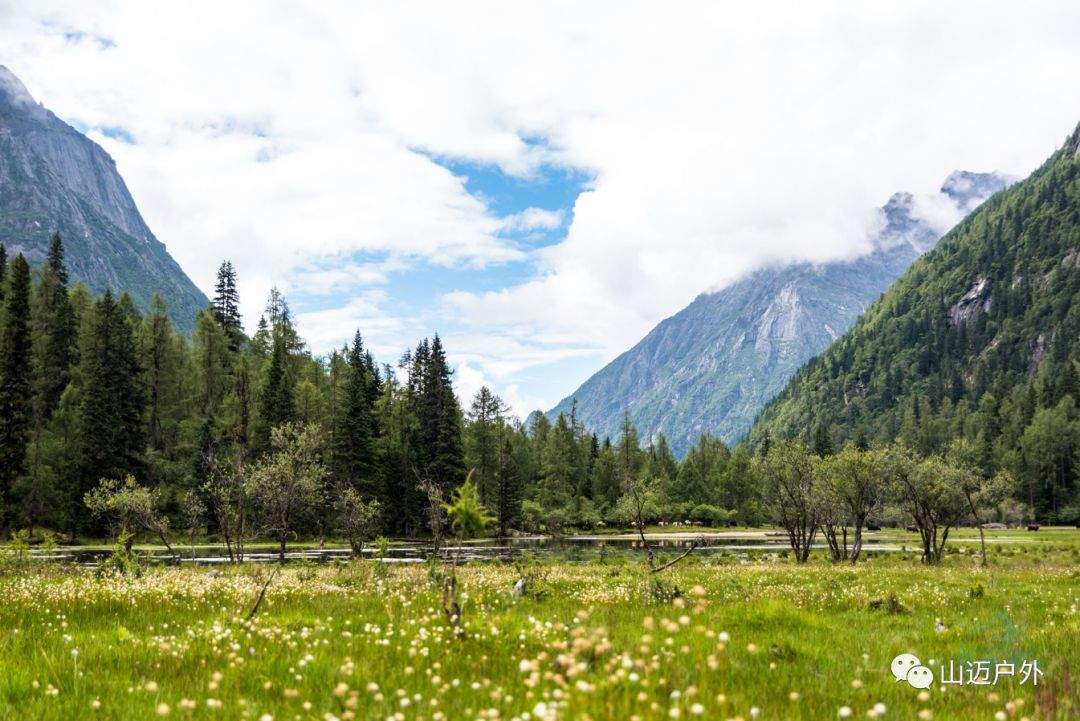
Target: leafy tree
{"x": 932, "y": 492}
{"x": 852, "y": 482}
{"x": 358, "y": 520}
{"x": 792, "y": 494}
{"x": 288, "y": 481}
{"x": 131, "y": 507}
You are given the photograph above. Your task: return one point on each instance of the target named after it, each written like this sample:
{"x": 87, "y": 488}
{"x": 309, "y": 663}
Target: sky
{"x": 538, "y": 182}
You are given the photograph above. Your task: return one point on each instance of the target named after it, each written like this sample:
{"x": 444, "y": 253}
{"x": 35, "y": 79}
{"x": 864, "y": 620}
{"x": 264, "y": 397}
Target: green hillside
{"x": 979, "y": 339}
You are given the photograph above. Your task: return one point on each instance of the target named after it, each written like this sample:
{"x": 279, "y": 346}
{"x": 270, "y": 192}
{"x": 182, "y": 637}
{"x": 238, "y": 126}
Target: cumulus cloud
{"x": 719, "y": 137}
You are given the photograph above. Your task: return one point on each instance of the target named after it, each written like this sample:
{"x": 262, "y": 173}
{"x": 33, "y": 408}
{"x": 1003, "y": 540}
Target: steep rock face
{"x": 713, "y": 366}
{"x": 53, "y": 178}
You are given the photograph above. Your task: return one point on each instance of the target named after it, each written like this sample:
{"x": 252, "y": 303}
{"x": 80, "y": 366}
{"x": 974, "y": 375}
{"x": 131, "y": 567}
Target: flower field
{"x": 719, "y": 637}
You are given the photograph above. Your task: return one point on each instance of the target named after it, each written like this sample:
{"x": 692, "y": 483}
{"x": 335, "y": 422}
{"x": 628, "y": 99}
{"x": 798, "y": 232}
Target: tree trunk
{"x": 856, "y": 547}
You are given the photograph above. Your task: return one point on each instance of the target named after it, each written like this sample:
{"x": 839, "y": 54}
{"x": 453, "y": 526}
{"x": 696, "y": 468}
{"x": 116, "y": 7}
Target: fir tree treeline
{"x": 979, "y": 340}
{"x": 91, "y": 389}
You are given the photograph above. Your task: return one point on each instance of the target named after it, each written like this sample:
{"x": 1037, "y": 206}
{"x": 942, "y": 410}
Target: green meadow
{"x": 733, "y": 635}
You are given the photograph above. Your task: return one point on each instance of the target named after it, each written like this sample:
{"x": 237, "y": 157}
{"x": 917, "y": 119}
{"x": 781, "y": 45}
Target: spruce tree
{"x": 226, "y": 305}
{"x": 557, "y": 472}
{"x": 15, "y": 411}
{"x": 440, "y": 422}
{"x": 823, "y": 445}
{"x": 109, "y": 429}
{"x": 486, "y": 416}
{"x": 353, "y": 440}
{"x": 277, "y": 400}
{"x": 161, "y": 359}
{"x": 54, "y": 331}
{"x": 628, "y": 451}
{"x": 507, "y": 482}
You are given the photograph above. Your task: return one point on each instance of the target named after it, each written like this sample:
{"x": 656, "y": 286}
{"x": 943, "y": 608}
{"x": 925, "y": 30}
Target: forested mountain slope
{"x": 55, "y": 179}
{"x": 979, "y": 339}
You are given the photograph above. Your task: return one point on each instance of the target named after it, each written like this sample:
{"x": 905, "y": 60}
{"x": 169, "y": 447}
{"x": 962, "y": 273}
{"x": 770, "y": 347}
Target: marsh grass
{"x": 592, "y": 639}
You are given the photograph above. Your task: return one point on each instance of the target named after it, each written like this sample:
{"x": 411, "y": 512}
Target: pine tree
{"x": 557, "y": 472}
{"x": 628, "y": 451}
{"x": 486, "y": 416}
{"x": 109, "y": 428}
{"x": 507, "y": 481}
{"x": 277, "y": 398}
{"x": 605, "y": 480}
{"x": 15, "y": 410}
{"x": 213, "y": 362}
{"x": 161, "y": 358}
{"x": 54, "y": 331}
{"x": 440, "y": 422}
{"x": 823, "y": 445}
{"x": 226, "y": 305}
{"x": 353, "y": 442}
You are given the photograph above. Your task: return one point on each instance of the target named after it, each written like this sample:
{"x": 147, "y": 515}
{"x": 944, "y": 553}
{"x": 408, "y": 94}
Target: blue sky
{"x": 418, "y": 288}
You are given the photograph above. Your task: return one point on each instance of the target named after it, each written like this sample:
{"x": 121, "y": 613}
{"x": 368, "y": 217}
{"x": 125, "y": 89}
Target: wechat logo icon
{"x": 907, "y": 667}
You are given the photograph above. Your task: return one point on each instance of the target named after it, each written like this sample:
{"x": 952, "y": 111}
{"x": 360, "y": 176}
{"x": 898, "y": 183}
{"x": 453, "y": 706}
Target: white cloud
{"x": 719, "y": 137}
{"x": 533, "y": 219}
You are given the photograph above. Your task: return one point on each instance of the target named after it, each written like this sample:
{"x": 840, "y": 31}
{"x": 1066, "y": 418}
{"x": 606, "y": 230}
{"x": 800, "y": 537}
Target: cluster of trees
{"x": 837, "y": 493}
{"x": 979, "y": 340}
{"x": 93, "y": 389}
{"x": 246, "y": 436}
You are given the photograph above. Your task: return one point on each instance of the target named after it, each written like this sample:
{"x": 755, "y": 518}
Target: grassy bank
{"x": 594, "y": 639}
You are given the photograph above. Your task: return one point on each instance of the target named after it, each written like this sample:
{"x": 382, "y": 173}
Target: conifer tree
{"x": 628, "y": 451}
{"x": 557, "y": 472}
{"x": 161, "y": 358}
{"x": 605, "y": 480}
{"x": 277, "y": 398}
{"x": 353, "y": 442}
{"x": 440, "y": 422}
{"x": 226, "y": 305}
{"x": 109, "y": 426}
{"x": 507, "y": 481}
{"x": 483, "y": 443}
{"x": 54, "y": 330}
{"x": 15, "y": 411}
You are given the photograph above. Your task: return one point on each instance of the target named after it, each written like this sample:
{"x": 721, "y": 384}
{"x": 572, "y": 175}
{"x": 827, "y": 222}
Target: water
{"x": 505, "y": 549}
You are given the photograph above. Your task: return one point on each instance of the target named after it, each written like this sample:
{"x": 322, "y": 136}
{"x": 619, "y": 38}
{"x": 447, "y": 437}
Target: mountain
{"x": 53, "y": 178}
{"x": 979, "y": 339}
{"x": 712, "y": 367}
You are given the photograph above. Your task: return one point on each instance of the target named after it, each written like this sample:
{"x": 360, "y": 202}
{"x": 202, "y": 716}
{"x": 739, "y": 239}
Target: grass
{"x": 589, "y": 640}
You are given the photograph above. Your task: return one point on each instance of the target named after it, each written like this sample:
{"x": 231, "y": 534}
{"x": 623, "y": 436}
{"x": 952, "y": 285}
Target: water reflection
{"x": 505, "y": 549}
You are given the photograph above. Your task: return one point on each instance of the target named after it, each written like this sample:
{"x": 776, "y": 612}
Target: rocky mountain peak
{"x": 968, "y": 189}
{"x": 12, "y": 91}
{"x": 55, "y": 179}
